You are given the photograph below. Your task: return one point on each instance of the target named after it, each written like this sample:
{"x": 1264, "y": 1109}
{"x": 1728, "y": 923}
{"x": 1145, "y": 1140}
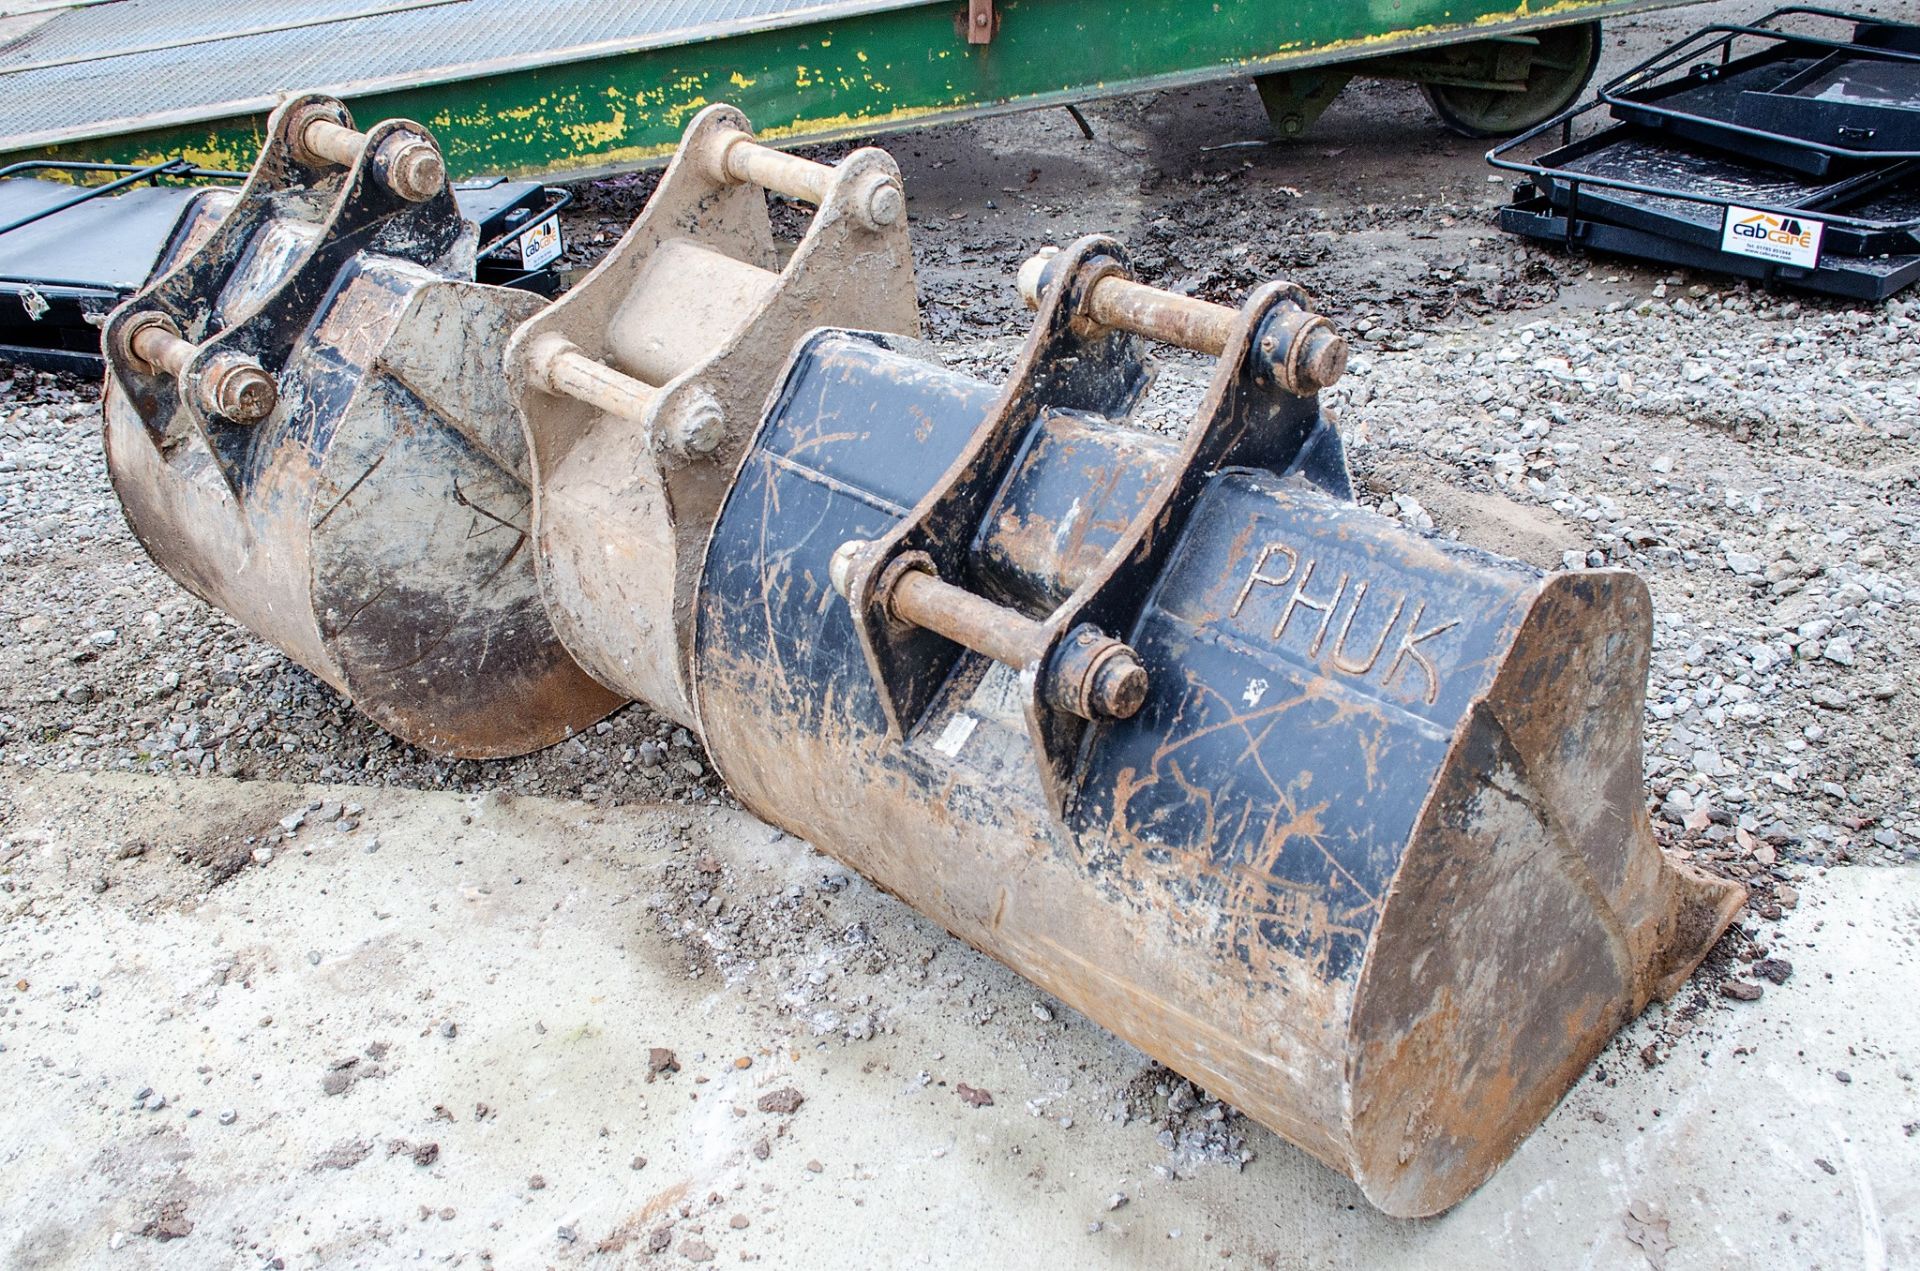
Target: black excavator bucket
{"x": 1346, "y": 823}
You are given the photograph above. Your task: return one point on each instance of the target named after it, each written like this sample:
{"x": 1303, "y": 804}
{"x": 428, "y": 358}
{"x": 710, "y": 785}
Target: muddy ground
{"x": 1752, "y": 455}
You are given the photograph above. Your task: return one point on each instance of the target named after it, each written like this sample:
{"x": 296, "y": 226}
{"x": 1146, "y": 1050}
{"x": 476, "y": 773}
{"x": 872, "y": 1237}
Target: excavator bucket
{"x": 642, "y": 385}
{"x": 1344, "y": 822}
{"x": 307, "y": 426}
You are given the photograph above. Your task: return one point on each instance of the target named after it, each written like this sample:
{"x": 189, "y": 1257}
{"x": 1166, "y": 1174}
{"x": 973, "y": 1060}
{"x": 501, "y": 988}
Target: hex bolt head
{"x": 697, "y": 425}
{"x": 885, "y": 203}
{"x": 237, "y": 388}
{"x": 412, "y": 167}
{"x": 1324, "y": 360}
{"x": 1302, "y": 350}
{"x": 840, "y": 567}
{"x": 244, "y": 393}
{"x": 1120, "y": 685}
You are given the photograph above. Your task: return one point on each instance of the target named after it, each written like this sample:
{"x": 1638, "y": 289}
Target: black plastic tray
{"x": 1865, "y": 100}
{"x": 1757, "y": 104}
{"x": 1662, "y": 188}
{"x": 1684, "y": 193}
{"x": 1872, "y": 278}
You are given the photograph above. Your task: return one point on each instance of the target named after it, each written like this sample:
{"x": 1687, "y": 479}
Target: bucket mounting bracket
{"x": 920, "y": 605}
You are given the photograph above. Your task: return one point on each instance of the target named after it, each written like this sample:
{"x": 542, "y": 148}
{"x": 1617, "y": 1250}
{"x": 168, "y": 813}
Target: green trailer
{"x": 597, "y": 86}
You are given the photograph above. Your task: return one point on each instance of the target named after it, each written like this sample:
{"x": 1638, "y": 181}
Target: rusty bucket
{"x": 1343, "y": 822}
{"x": 307, "y": 426}
{"x": 642, "y": 385}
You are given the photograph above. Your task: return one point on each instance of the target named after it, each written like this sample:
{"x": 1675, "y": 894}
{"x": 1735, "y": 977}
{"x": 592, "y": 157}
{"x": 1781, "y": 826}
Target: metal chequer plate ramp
{"x": 537, "y": 929}
{"x": 591, "y": 86}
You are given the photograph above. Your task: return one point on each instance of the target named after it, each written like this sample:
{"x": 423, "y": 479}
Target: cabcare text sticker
{"x": 1784, "y": 240}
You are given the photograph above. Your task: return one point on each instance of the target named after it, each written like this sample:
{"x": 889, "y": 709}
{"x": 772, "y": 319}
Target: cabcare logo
{"x": 1786, "y": 231}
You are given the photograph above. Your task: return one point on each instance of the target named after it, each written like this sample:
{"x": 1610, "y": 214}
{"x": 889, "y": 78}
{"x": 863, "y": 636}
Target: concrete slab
{"x": 437, "y": 1051}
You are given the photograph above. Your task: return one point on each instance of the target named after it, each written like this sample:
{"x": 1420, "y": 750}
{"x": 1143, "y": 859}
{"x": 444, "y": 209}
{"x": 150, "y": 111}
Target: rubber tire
{"x": 1463, "y": 110}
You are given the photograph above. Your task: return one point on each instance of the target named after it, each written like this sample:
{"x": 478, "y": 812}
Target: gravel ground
{"x": 1751, "y": 455}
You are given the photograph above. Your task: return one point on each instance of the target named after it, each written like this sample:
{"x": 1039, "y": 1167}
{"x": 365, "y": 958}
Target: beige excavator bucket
{"x": 642, "y": 385}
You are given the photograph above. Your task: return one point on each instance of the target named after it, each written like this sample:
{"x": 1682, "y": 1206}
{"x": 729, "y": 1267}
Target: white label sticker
{"x": 955, "y": 734}
{"x": 541, "y": 244}
{"x": 1784, "y": 240}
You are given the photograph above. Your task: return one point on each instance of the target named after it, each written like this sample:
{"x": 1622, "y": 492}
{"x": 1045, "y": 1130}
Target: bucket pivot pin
{"x": 740, "y": 159}
{"x": 225, "y": 384}
{"x": 1092, "y": 675}
{"x": 561, "y": 366}
{"x": 1296, "y": 349}
{"x": 405, "y": 161}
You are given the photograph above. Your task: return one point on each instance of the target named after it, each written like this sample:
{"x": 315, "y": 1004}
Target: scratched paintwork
{"x": 1372, "y": 862}
{"x": 856, "y": 76}
{"x": 374, "y": 526}
{"x": 693, "y": 301}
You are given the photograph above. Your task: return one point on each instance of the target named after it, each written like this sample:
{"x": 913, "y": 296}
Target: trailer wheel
{"x": 1560, "y": 67}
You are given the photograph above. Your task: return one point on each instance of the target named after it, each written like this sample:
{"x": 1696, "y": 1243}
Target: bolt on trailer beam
{"x": 617, "y": 105}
